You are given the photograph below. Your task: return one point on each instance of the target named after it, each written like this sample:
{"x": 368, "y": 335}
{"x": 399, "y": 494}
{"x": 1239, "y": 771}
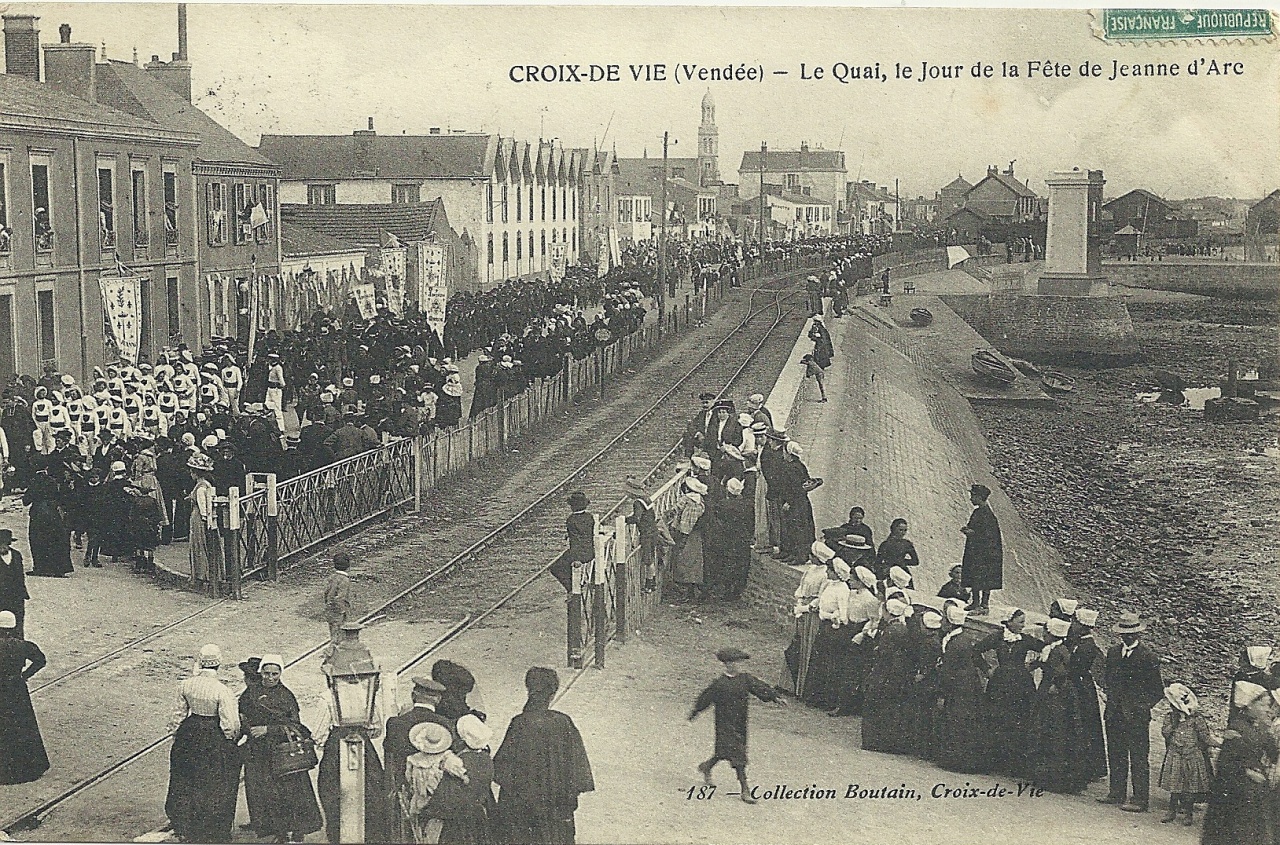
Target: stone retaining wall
{"x": 1227, "y": 279}
{"x": 1052, "y": 328}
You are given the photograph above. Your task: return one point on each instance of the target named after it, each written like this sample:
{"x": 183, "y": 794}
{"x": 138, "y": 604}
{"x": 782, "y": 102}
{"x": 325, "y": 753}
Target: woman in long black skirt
{"x": 1010, "y": 690}
{"x": 204, "y": 765}
{"x": 22, "y": 754}
{"x": 48, "y": 532}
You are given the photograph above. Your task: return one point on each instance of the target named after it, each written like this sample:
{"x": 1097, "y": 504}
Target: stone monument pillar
{"x": 1073, "y": 264}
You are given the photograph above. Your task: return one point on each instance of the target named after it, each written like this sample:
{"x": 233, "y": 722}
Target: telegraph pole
{"x": 662, "y": 224}
{"x": 764, "y": 154}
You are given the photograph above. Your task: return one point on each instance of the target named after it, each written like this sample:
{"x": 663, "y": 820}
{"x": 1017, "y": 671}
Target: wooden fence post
{"x": 232, "y": 551}
{"x": 417, "y": 474}
{"x": 621, "y": 577}
{"x": 574, "y": 627}
{"x": 599, "y": 595}
{"x": 273, "y": 528}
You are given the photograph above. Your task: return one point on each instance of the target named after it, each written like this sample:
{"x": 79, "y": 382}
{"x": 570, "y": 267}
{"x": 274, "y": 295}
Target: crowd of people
{"x": 430, "y": 779}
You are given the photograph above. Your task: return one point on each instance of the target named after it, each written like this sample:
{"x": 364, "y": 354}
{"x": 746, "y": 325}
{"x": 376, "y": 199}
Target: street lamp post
{"x": 353, "y": 678}
{"x": 663, "y": 281}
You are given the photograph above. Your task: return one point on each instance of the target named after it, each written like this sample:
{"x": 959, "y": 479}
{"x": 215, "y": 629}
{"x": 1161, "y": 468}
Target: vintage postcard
{"x": 639, "y": 424}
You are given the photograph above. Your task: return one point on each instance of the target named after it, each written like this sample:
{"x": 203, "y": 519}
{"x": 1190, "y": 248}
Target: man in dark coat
{"x": 581, "y": 530}
{"x": 1134, "y": 686}
{"x": 396, "y": 747}
{"x": 983, "y": 562}
{"x": 542, "y": 768}
{"x": 695, "y": 432}
{"x": 13, "y": 580}
{"x": 728, "y": 694}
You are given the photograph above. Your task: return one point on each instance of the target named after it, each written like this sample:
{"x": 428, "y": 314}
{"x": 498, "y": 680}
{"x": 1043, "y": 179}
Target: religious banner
{"x": 433, "y": 291}
{"x": 121, "y": 308}
{"x": 366, "y": 300}
{"x": 558, "y": 261}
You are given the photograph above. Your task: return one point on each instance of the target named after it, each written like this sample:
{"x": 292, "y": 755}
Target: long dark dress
{"x": 288, "y": 803}
{"x": 376, "y": 812}
{"x": 48, "y": 532}
{"x": 921, "y": 715}
{"x": 1241, "y": 811}
{"x": 728, "y": 544}
{"x": 467, "y": 809}
{"x": 1055, "y": 736}
{"x": 203, "y": 770}
{"x": 22, "y": 754}
{"x": 885, "y": 715}
{"x": 729, "y": 697}
{"x": 1083, "y": 655}
{"x": 1010, "y": 690}
{"x": 983, "y": 561}
{"x": 961, "y": 736}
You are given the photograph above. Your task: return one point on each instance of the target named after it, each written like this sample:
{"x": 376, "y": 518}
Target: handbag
{"x": 294, "y": 755}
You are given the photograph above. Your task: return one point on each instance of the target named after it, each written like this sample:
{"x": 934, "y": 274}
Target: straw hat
{"x": 475, "y": 733}
{"x": 1129, "y": 623}
{"x": 430, "y": 737}
{"x": 1182, "y": 698}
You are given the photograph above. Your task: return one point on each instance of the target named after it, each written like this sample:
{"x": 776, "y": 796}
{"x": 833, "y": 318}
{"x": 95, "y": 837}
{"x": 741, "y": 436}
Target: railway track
{"x": 646, "y": 438}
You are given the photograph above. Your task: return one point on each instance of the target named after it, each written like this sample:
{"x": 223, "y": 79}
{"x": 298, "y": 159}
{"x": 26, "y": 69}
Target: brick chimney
{"x": 22, "y": 46}
{"x": 176, "y": 74}
{"x": 72, "y": 68}
{"x": 992, "y": 170}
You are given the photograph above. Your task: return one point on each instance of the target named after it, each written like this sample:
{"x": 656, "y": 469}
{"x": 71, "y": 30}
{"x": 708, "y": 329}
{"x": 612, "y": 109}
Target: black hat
{"x": 578, "y": 501}
{"x": 454, "y": 676}
{"x": 540, "y": 680}
{"x": 706, "y": 397}
{"x": 6, "y": 536}
{"x": 251, "y": 665}
{"x": 981, "y": 490}
{"x": 731, "y": 655}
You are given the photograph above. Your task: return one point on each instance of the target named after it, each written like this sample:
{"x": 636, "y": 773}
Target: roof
{"x": 957, "y": 184}
{"x": 125, "y": 86}
{"x": 799, "y": 199}
{"x": 793, "y": 161}
{"x": 1141, "y": 192}
{"x": 1128, "y": 230}
{"x": 298, "y": 241}
{"x": 981, "y": 215}
{"x": 1018, "y": 188}
{"x": 1271, "y": 197}
{"x": 21, "y": 100}
{"x": 454, "y": 156}
{"x": 364, "y": 224}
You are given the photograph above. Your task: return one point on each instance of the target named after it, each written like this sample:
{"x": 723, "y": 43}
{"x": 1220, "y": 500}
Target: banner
{"x": 956, "y": 255}
{"x": 121, "y": 311}
{"x": 366, "y": 301}
{"x": 615, "y": 248}
{"x": 558, "y": 254}
{"x": 433, "y": 291}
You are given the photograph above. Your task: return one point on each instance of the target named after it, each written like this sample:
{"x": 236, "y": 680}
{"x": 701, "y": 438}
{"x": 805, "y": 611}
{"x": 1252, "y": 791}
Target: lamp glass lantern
{"x": 353, "y": 677}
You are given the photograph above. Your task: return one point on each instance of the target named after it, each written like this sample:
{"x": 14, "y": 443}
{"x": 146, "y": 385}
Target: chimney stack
{"x": 182, "y": 34}
{"x": 72, "y": 68}
{"x": 22, "y": 46}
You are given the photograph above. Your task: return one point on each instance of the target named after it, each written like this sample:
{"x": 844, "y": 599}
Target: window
{"x": 506, "y": 205}
{"x": 216, "y": 213}
{"x": 46, "y": 330}
{"x": 544, "y": 202}
{"x": 322, "y": 194}
{"x": 106, "y": 206}
{"x": 401, "y": 194}
{"x": 519, "y": 246}
{"x": 488, "y": 207}
{"x": 792, "y": 181}
{"x": 625, "y": 210}
{"x": 174, "y": 312}
{"x": 564, "y": 236}
{"x": 564, "y": 203}
{"x": 555, "y": 236}
{"x": 491, "y": 248}
{"x": 42, "y": 212}
{"x": 6, "y": 237}
{"x": 530, "y": 244}
{"x": 266, "y": 198}
{"x": 553, "y": 202}
{"x": 170, "y": 206}
{"x": 530, "y": 202}
{"x": 826, "y": 213}
{"x": 520, "y": 205}
{"x": 140, "y": 222}
{"x": 242, "y": 206}
{"x": 543, "y": 251}
{"x": 8, "y": 350}
{"x": 575, "y": 240}
{"x": 506, "y": 251}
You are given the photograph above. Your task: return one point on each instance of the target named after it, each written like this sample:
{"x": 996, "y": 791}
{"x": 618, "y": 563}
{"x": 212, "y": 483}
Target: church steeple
{"x": 708, "y": 143}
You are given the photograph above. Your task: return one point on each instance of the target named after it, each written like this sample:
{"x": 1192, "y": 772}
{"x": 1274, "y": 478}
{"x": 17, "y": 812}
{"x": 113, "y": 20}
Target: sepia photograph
{"x": 538, "y": 424}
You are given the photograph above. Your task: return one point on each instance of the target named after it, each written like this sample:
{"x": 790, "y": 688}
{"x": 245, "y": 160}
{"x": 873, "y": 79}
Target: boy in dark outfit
{"x": 728, "y": 694}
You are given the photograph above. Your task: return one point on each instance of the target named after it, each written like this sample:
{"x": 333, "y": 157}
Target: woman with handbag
{"x": 204, "y": 764}
{"x": 281, "y": 755}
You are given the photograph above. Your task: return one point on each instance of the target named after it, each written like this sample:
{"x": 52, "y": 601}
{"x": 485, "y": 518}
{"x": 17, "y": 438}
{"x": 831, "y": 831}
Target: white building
{"x": 511, "y": 198}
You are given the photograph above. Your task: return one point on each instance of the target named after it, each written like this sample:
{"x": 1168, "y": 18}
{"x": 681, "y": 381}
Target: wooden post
{"x": 232, "y": 551}
{"x": 599, "y": 588}
{"x": 417, "y": 474}
{"x": 621, "y": 577}
{"x": 273, "y": 528}
{"x": 574, "y": 628}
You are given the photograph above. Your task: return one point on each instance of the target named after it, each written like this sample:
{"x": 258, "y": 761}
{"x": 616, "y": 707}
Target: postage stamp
{"x": 1128, "y": 25}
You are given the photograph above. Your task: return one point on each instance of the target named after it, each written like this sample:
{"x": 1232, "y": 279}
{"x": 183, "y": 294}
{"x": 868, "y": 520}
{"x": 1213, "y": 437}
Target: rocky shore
{"x": 1152, "y": 508}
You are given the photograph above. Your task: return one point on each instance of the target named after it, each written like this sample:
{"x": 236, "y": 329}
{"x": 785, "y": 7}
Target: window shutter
{"x": 210, "y": 213}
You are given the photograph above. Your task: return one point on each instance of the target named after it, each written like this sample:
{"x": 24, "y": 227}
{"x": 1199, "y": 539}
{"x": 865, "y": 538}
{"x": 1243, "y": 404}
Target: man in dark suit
{"x": 13, "y": 580}
{"x": 395, "y": 742}
{"x": 1133, "y": 686}
{"x": 695, "y": 432}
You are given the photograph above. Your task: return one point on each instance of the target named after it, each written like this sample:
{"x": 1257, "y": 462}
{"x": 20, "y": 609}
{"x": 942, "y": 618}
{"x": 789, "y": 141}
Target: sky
{"x": 299, "y": 69}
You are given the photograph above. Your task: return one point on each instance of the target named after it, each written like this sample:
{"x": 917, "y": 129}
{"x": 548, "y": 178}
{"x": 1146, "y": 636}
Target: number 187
{"x": 700, "y": 793}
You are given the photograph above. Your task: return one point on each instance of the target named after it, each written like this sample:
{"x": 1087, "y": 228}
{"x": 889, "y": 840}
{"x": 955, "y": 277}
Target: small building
{"x": 816, "y": 172}
{"x": 874, "y": 210}
{"x": 1262, "y": 229}
{"x": 1151, "y": 215}
{"x": 318, "y": 270}
{"x": 952, "y": 194}
{"x": 789, "y": 216}
{"x": 1003, "y": 198}
{"x": 963, "y": 225}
